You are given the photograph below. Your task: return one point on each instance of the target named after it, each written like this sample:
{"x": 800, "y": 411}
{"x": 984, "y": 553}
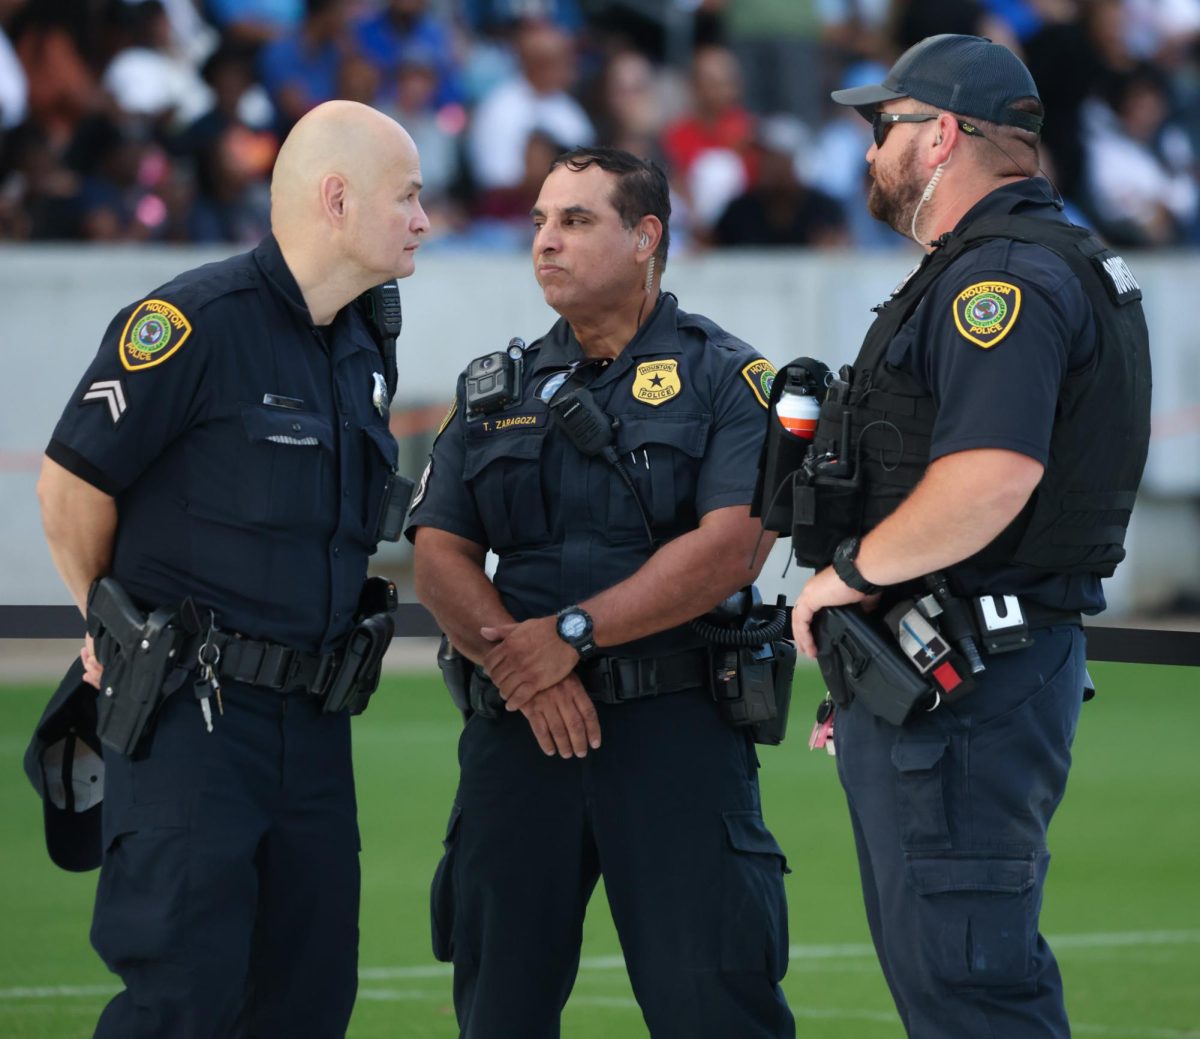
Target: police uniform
{"x": 1022, "y": 333}
{"x": 668, "y": 808}
{"x": 247, "y": 451}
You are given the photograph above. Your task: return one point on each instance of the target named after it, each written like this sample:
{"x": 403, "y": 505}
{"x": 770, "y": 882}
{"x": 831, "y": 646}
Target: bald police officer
{"x": 980, "y": 406}
{"x": 599, "y": 747}
{"x": 229, "y": 446}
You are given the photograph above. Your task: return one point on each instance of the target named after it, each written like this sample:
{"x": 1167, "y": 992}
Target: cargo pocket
{"x": 142, "y": 894}
{"x": 662, "y": 455}
{"x": 920, "y": 794}
{"x": 754, "y": 922}
{"x": 441, "y": 895}
{"x": 504, "y": 473}
{"x": 978, "y": 917}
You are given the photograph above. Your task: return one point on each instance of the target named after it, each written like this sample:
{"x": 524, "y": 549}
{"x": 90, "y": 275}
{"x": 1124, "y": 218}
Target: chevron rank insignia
{"x": 154, "y": 331}
{"x": 109, "y": 392}
{"x": 760, "y": 375}
{"x": 985, "y": 312}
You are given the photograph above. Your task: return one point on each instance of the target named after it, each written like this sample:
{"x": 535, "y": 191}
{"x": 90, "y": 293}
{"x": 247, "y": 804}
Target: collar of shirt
{"x": 1029, "y": 196}
{"x": 657, "y": 335}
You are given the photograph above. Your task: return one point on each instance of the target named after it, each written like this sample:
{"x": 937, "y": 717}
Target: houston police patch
{"x": 760, "y": 375}
{"x": 154, "y": 331}
{"x": 656, "y": 382}
{"x": 985, "y": 312}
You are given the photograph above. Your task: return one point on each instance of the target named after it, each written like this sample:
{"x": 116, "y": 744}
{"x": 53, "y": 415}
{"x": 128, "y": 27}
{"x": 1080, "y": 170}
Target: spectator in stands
{"x": 14, "y": 87}
{"x": 437, "y": 132}
{"x": 536, "y": 99}
{"x": 233, "y": 196}
{"x": 710, "y": 154}
{"x": 113, "y": 204}
{"x": 50, "y": 38}
{"x": 1140, "y": 167}
{"x": 300, "y": 70}
{"x": 387, "y": 36}
{"x": 629, "y": 110}
{"x": 487, "y": 16}
{"x": 780, "y": 209}
{"x": 37, "y": 199}
{"x": 718, "y": 119}
{"x": 255, "y": 22}
{"x": 1071, "y": 61}
{"x": 145, "y": 77}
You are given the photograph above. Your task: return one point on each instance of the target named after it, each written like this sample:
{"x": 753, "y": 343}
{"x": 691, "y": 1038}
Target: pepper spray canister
{"x": 797, "y": 410}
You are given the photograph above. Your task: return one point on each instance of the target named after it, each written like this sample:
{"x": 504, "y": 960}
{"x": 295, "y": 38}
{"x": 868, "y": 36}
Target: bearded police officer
{"x": 997, "y": 417}
{"x": 225, "y": 462}
{"x": 610, "y": 467}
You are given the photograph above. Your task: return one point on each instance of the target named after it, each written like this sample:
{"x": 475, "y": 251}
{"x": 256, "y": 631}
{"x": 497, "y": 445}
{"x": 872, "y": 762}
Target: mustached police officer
{"x": 612, "y": 476}
{"x": 992, "y": 382}
{"x": 225, "y": 458}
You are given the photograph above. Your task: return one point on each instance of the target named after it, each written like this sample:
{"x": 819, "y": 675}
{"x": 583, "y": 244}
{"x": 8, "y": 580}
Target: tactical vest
{"x": 1076, "y": 520}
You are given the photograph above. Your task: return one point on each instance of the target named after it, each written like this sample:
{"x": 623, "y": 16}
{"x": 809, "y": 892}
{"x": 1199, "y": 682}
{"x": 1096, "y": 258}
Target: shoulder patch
{"x": 985, "y": 312}
{"x": 446, "y": 421}
{"x": 760, "y": 375}
{"x": 656, "y": 382}
{"x": 154, "y": 331}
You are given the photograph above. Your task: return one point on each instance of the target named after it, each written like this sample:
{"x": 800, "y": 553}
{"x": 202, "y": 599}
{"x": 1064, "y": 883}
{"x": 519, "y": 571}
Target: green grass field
{"x": 1122, "y": 909}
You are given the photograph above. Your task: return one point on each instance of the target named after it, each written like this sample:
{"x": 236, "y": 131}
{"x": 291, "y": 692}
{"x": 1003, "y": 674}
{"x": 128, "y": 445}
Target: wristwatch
{"x": 843, "y": 565}
{"x": 574, "y": 627}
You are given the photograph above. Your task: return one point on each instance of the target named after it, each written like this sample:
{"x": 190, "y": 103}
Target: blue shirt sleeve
{"x": 993, "y": 341}
{"x": 730, "y": 468}
{"x": 145, "y": 386}
{"x": 442, "y": 498}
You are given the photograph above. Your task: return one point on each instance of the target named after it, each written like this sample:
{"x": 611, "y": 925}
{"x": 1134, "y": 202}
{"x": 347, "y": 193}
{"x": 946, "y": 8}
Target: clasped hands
{"x": 534, "y": 670}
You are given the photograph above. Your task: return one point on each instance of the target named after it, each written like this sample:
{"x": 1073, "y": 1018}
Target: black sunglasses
{"x": 882, "y": 122}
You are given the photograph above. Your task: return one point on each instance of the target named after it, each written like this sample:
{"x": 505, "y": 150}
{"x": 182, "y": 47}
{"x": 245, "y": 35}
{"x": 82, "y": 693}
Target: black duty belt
{"x": 269, "y": 665}
{"x": 1038, "y": 616}
{"x": 615, "y": 680}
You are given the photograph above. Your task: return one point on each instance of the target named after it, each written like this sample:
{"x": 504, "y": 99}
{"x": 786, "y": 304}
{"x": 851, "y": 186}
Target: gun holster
{"x": 359, "y": 668}
{"x": 456, "y": 673}
{"x": 861, "y": 661}
{"x": 137, "y": 652}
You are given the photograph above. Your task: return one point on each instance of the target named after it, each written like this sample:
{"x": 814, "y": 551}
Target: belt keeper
{"x": 274, "y": 667}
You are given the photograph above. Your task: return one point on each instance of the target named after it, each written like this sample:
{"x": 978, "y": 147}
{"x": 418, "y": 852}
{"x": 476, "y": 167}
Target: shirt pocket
{"x": 380, "y": 456}
{"x": 662, "y": 455}
{"x": 287, "y": 470}
{"x": 504, "y": 474}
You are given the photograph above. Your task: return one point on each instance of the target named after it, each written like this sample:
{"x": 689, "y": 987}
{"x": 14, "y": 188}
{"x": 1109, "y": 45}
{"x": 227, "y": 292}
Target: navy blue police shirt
{"x": 246, "y": 448}
{"x": 1001, "y": 390}
{"x": 687, "y": 399}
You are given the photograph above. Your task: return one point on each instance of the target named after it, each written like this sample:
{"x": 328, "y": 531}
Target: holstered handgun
{"x": 456, "y": 673}
{"x": 136, "y": 651}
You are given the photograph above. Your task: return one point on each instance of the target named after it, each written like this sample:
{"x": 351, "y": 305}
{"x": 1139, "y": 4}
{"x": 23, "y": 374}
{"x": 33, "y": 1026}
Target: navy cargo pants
{"x": 228, "y": 894}
{"x": 668, "y": 810}
{"x": 950, "y": 814}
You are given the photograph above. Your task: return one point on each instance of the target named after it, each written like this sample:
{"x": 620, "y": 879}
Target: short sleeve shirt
{"x": 687, "y": 403}
{"x": 247, "y": 449}
{"x": 992, "y": 340}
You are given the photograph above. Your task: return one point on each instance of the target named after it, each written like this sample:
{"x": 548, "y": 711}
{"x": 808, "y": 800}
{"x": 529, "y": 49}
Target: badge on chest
{"x": 656, "y": 382}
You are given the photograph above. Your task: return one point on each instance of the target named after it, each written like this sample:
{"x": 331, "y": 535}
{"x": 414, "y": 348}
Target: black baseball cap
{"x": 65, "y": 764}
{"x": 967, "y": 75}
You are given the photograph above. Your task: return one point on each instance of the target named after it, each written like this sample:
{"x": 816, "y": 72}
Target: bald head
{"x": 340, "y": 138}
{"x": 344, "y": 199}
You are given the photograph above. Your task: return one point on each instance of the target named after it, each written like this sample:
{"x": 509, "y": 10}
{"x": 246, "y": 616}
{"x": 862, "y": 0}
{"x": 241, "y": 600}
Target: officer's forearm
{"x": 685, "y": 578}
{"x": 961, "y": 504}
{"x": 450, "y": 581}
{"x": 80, "y": 524}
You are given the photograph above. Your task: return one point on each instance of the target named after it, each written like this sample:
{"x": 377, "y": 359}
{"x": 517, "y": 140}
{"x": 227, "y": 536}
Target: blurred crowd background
{"x": 159, "y": 120}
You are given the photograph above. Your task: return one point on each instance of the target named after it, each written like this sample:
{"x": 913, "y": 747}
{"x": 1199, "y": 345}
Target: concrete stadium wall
{"x": 57, "y": 301}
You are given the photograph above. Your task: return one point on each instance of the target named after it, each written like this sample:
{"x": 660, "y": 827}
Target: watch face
{"x": 572, "y": 625}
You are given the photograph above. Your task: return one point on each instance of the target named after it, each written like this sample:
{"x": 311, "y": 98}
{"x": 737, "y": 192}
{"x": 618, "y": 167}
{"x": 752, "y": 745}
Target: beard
{"x": 894, "y": 197}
